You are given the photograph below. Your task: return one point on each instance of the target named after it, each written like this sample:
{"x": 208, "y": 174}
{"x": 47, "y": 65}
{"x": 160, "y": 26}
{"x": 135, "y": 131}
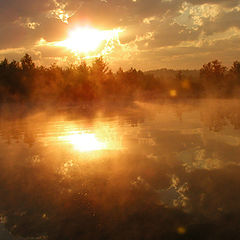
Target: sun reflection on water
{"x": 85, "y": 142}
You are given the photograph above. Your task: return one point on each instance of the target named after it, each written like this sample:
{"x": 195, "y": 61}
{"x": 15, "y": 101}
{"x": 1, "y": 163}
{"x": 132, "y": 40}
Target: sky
{"x": 144, "y": 34}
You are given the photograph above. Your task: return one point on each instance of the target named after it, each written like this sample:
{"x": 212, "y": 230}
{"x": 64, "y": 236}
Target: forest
{"x": 23, "y": 82}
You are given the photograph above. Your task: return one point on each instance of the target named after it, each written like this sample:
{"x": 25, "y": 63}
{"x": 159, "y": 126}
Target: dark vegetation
{"x": 23, "y": 82}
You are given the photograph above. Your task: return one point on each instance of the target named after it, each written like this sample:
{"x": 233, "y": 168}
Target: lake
{"x": 162, "y": 170}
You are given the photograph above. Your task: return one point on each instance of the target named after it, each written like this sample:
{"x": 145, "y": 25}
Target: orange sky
{"x": 146, "y": 34}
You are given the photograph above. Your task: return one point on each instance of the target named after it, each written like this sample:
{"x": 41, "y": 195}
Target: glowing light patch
{"x": 86, "y": 39}
{"x": 181, "y": 230}
{"x": 84, "y": 142}
{"x": 173, "y": 93}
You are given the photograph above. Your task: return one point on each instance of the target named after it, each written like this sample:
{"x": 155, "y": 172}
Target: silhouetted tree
{"x": 235, "y": 71}
{"x": 212, "y": 75}
{"x": 27, "y": 63}
{"x": 232, "y": 82}
{"x": 236, "y": 68}
{"x": 179, "y": 76}
{"x": 99, "y": 67}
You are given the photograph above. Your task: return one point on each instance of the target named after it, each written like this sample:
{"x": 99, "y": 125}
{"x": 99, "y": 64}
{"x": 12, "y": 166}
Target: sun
{"x": 84, "y": 40}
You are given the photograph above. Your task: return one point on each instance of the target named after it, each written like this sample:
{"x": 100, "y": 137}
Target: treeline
{"x": 212, "y": 80}
{"x": 23, "y": 82}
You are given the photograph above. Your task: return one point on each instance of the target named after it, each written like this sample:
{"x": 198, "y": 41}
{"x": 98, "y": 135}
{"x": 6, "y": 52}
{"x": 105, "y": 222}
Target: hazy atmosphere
{"x": 119, "y": 120}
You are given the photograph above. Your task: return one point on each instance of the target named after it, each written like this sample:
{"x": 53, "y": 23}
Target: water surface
{"x": 148, "y": 171}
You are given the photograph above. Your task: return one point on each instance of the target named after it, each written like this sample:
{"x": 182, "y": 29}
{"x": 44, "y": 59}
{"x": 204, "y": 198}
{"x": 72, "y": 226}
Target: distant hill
{"x": 167, "y": 74}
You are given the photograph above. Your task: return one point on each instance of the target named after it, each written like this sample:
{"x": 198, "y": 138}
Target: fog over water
{"x": 159, "y": 170}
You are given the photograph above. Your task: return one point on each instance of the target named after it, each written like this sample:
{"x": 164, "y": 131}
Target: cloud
{"x": 164, "y": 33}
{"x": 13, "y": 9}
{"x": 224, "y": 3}
{"x": 224, "y": 21}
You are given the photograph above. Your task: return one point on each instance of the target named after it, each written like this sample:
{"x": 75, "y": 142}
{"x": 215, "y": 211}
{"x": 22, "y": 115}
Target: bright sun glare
{"x": 87, "y": 39}
{"x": 85, "y": 142}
